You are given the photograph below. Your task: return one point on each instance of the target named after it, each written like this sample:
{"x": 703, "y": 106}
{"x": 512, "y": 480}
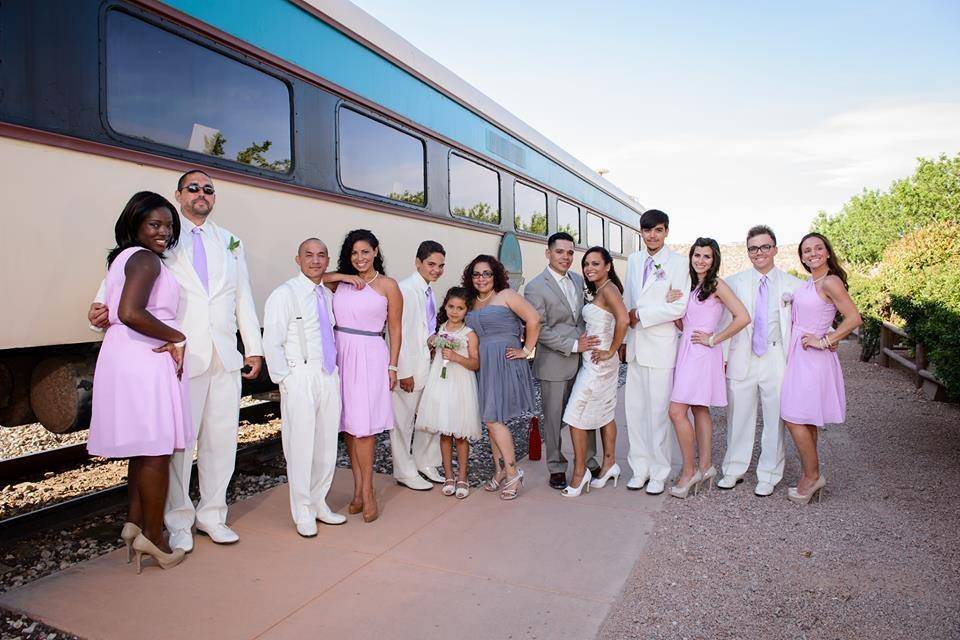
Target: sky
{"x": 723, "y": 114}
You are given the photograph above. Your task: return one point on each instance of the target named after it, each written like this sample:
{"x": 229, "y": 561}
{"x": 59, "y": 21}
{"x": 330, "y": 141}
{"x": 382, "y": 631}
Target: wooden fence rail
{"x": 891, "y": 348}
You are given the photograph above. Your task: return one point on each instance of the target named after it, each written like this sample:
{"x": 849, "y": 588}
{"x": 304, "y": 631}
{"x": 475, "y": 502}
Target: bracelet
{"x": 392, "y": 367}
{"x": 710, "y": 340}
{"x": 181, "y": 344}
{"x": 526, "y": 352}
{"x": 824, "y": 342}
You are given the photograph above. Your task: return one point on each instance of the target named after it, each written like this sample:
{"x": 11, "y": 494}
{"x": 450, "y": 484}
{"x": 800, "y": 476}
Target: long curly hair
{"x": 607, "y": 259}
{"x": 709, "y": 284}
{"x": 452, "y": 292}
{"x": 833, "y": 263}
{"x": 345, "y": 266}
{"x": 500, "y": 280}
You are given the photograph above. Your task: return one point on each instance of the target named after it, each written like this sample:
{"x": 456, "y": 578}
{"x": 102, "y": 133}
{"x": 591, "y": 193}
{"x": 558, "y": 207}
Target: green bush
{"x": 872, "y": 298}
{"x": 921, "y": 274}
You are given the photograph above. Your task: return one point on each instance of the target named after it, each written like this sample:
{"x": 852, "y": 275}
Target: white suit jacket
{"x": 414, "y": 357}
{"x": 211, "y": 320}
{"x": 744, "y": 284}
{"x": 653, "y": 342}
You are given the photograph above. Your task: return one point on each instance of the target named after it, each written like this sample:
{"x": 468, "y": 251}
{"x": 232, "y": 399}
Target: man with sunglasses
{"x": 216, "y": 301}
{"x": 756, "y": 358}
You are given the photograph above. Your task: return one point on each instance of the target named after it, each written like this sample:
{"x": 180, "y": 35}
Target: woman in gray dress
{"x": 498, "y": 315}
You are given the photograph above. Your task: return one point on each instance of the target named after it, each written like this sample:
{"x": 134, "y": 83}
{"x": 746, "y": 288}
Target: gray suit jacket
{"x": 558, "y": 327}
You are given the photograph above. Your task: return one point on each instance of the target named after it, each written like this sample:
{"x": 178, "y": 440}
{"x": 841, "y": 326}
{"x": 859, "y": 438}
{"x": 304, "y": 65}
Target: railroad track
{"x": 105, "y": 500}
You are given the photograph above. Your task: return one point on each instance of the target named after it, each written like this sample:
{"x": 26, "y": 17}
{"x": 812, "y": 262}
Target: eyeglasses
{"x": 760, "y": 248}
{"x": 193, "y": 187}
{"x": 482, "y": 274}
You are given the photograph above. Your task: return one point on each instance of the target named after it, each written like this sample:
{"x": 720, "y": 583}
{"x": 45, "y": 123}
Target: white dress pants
{"x": 215, "y": 407}
{"x": 309, "y": 424}
{"x": 424, "y": 451}
{"x": 653, "y": 442}
{"x": 763, "y": 380}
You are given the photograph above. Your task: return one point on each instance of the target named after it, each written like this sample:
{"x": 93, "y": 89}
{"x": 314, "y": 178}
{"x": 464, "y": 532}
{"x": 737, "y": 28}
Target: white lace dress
{"x": 593, "y": 400}
{"x": 449, "y": 405}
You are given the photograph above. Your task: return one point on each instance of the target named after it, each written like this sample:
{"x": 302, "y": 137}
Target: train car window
{"x": 167, "y": 90}
{"x": 474, "y": 190}
{"x": 568, "y": 219}
{"x": 530, "y": 209}
{"x": 379, "y": 159}
{"x": 616, "y": 238}
{"x": 594, "y": 230}
{"x": 636, "y": 238}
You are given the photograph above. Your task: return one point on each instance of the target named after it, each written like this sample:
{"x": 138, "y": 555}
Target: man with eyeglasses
{"x": 756, "y": 359}
{"x": 215, "y": 301}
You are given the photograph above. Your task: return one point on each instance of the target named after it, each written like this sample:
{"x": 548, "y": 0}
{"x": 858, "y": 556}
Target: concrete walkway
{"x": 431, "y": 567}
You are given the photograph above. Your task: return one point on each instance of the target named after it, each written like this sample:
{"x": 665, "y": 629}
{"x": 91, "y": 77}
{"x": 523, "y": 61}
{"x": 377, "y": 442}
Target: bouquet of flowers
{"x": 445, "y": 341}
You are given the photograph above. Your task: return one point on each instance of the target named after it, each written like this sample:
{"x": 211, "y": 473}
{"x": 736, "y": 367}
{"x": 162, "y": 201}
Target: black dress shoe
{"x": 558, "y": 480}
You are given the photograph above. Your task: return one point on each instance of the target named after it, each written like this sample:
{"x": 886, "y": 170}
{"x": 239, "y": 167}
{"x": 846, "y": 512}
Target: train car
{"x": 311, "y": 117}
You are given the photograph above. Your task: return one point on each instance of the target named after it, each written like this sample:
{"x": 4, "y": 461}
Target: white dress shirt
{"x": 570, "y": 291}
{"x": 281, "y": 334}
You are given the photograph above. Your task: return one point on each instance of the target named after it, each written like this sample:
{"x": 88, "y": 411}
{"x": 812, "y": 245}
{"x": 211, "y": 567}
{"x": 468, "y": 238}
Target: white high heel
{"x": 706, "y": 478}
{"x": 693, "y": 483}
{"x": 612, "y": 472}
{"x": 570, "y": 492}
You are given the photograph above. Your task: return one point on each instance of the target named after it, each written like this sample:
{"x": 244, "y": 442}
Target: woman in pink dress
{"x": 698, "y": 379}
{"x": 812, "y": 393}
{"x": 365, "y": 302}
{"x": 141, "y": 409}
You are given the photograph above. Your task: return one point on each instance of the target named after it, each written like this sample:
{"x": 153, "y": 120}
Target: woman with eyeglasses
{"x": 498, "y": 316}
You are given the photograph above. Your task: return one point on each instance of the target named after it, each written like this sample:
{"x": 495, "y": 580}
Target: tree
{"x": 481, "y": 211}
{"x": 538, "y": 223}
{"x": 254, "y": 155}
{"x": 213, "y": 146}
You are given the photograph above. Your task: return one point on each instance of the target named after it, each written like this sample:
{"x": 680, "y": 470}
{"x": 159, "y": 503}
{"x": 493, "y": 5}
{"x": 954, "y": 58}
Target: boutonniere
{"x": 786, "y": 299}
{"x": 659, "y": 272}
{"x": 233, "y": 246}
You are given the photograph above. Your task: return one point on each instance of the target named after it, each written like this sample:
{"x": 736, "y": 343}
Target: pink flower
{"x": 787, "y": 299}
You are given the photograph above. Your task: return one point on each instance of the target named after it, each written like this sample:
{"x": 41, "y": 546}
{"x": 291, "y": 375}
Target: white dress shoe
{"x": 329, "y": 517}
{"x": 307, "y": 528}
{"x": 729, "y": 482}
{"x": 220, "y": 533}
{"x": 636, "y": 483}
{"x": 181, "y": 539}
{"x": 417, "y": 483}
{"x": 763, "y": 489}
{"x": 431, "y": 474}
{"x": 654, "y": 487}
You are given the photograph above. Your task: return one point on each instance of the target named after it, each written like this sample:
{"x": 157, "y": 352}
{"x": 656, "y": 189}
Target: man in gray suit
{"x": 557, "y": 295}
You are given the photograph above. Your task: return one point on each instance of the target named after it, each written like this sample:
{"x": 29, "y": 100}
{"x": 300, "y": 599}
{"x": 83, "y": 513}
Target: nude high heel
{"x": 796, "y": 497}
{"x": 371, "y": 510}
{"x": 571, "y": 492}
{"x": 612, "y": 472}
{"x": 143, "y": 546}
{"x": 706, "y": 478}
{"x": 354, "y": 509}
{"x": 128, "y": 534}
{"x": 693, "y": 483}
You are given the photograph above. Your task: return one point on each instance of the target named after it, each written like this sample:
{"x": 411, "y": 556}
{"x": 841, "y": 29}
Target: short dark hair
{"x": 653, "y": 217}
{"x": 559, "y": 235}
{"x": 428, "y": 248}
{"x": 344, "y": 264}
{"x": 761, "y": 229}
{"x": 183, "y": 178}
{"x": 127, "y": 228}
{"x": 500, "y": 279}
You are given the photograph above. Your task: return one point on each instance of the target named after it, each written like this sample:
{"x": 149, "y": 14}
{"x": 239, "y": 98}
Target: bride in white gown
{"x": 593, "y": 400}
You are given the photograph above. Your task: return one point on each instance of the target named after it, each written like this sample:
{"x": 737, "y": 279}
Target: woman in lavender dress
{"x": 498, "y": 315}
{"x": 141, "y": 410}
{"x": 813, "y": 393}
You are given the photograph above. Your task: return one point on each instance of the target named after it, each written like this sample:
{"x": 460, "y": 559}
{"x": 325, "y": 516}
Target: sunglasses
{"x": 482, "y": 274}
{"x": 193, "y": 187}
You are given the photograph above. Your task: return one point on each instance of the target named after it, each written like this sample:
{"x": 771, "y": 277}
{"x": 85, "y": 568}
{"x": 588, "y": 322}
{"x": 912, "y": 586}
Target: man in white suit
{"x": 652, "y": 273}
{"x": 756, "y": 359}
{"x": 215, "y": 301}
{"x": 301, "y": 353}
{"x": 420, "y": 306}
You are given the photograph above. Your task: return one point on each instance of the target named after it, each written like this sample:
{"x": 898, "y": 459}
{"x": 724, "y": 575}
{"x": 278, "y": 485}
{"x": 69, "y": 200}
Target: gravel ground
{"x": 876, "y": 559}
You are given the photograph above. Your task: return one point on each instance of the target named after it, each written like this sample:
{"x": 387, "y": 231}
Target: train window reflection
{"x": 616, "y": 238}
{"x": 568, "y": 219}
{"x": 378, "y": 159}
{"x": 474, "y": 190}
{"x": 594, "y": 230}
{"x": 166, "y": 89}
{"x": 530, "y": 209}
{"x": 636, "y": 238}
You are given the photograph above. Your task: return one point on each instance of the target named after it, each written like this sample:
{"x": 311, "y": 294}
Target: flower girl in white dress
{"x": 449, "y": 405}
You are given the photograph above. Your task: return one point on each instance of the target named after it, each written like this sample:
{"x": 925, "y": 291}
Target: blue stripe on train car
{"x": 291, "y": 33}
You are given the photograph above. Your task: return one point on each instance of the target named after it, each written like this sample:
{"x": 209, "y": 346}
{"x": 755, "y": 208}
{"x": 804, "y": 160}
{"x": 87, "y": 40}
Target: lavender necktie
{"x": 760, "y": 319}
{"x": 200, "y": 258}
{"x": 431, "y": 312}
{"x": 647, "y": 269}
{"x": 326, "y": 332}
